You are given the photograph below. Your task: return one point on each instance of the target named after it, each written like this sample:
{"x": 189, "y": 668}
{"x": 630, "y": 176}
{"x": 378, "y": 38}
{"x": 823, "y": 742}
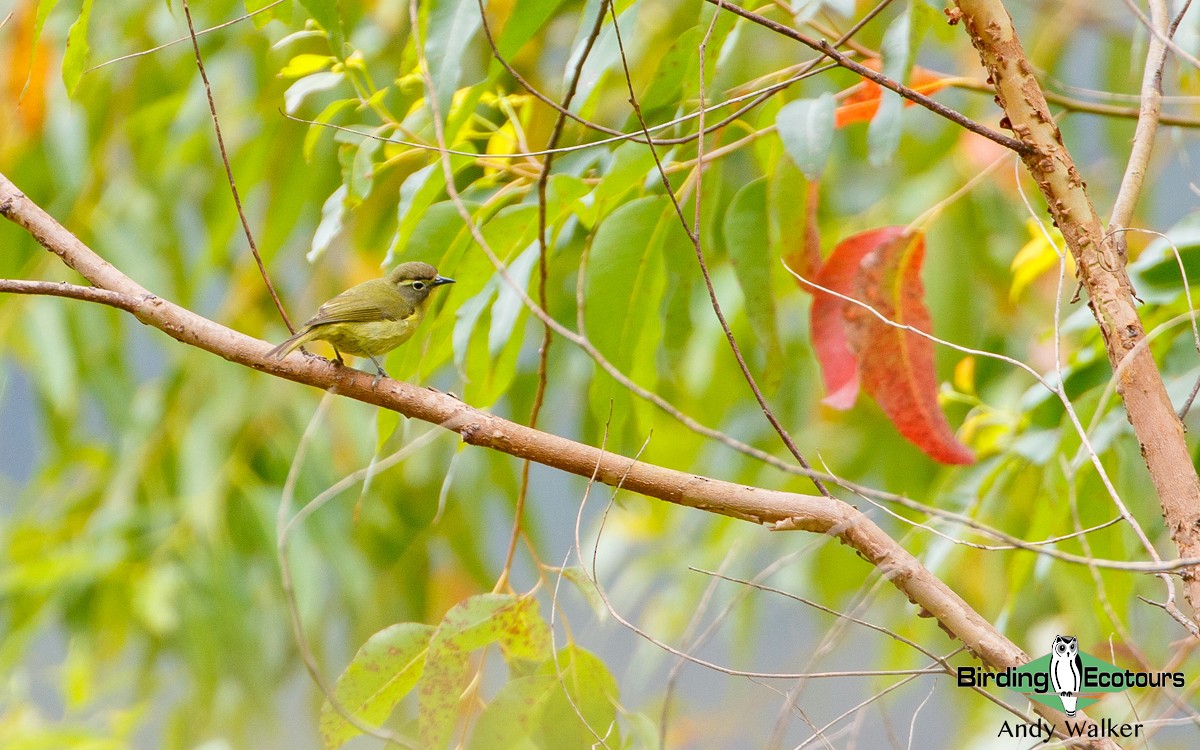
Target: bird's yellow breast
{"x": 370, "y": 338}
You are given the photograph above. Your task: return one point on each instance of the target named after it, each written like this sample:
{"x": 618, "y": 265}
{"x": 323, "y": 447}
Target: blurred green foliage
{"x": 140, "y": 602}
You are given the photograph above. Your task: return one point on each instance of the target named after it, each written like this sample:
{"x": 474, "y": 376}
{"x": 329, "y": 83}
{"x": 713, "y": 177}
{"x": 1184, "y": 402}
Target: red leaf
{"x": 839, "y": 368}
{"x": 897, "y": 366}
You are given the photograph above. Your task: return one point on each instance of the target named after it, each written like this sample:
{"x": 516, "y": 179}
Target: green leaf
{"x": 569, "y": 703}
{"x": 299, "y": 91}
{"x": 76, "y": 57}
{"x": 509, "y": 305}
{"x": 587, "y": 588}
{"x": 384, "y": 670}
{"x": 333, "y": 213}
{"x": 898, "y": 49}
{"x": 624, "y": 262}
{"x": 585, "y": 705}
{"x": 315, "y": 131}
{"x": 482, "y": 620}
{"x": 326, "y": 13}
{"x": 417, "y": 194}
{"x": 512, "y": 720}
{"x": 676, "y": 69}
{"x": 525, "y": 20}
{"x": 453, "y": 25}
{"x": 745, "y": 230}
{"x": 362, "y": 172}
{"x": 806, "y": 128}
{"x": 626, "y": 170}
{"x": 682, "y": 272}
{"x": 280, "y": 11}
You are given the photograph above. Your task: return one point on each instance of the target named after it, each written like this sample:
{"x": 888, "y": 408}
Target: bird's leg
{"x": 379, "y": 371}
{"x": 337, "y": 356}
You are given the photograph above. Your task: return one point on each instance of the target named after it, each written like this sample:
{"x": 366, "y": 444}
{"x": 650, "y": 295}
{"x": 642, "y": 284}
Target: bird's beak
{"x": 439, "y": 280}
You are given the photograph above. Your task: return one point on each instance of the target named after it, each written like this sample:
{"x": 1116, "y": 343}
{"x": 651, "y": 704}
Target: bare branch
{"x": 1102, "y": 272}
{"x": 810, "y": 513}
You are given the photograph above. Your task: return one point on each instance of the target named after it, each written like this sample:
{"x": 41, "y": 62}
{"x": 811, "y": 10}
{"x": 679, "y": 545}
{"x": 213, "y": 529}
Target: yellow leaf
{"x": 503, "y": 141}
{"x": 303, "y": 65}
{"x": 964, "y": 376}
{"x": 1036, "y": 258}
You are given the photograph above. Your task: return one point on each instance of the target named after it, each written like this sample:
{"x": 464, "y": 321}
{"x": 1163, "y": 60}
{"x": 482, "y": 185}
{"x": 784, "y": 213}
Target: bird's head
{"x": 416, "y": 280}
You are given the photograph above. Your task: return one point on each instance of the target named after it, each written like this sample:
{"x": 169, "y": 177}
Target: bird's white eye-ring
{"x": 418, "y": 285}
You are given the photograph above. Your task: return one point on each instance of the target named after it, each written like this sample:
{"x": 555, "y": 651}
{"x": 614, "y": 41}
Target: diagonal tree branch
{"x": 1101, "y": 269}
{"x": 783, "y": 510}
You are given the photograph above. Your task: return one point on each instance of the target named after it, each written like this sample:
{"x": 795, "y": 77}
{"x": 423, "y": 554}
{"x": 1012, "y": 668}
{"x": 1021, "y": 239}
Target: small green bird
{"x": 371, "y": 318}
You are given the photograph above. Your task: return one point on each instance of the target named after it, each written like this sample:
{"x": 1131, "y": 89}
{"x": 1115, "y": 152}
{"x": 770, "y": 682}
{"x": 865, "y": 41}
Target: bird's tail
{"x": 303, "y": 336}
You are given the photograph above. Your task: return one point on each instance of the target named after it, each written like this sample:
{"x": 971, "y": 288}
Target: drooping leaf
{"x": 839, "y": 368}
{"x": 76, "y": 57}
{"x": 806, "y": 128}
{"x": 896, "y": 366}
{"x": 333, "y": 213}
{"x": 507, "y": 309}
{"x": 383, "y": 671}
{"x": 883, "y": 134}
{"x": 625, "y": 280}
{"x": 792, "y": 207}
{"x": 453, "y": 25}
{"x": 620, "y": 271}
{"x": 417, "y": 194}
{"x": 746, "y": 241}
{"x": 314, "y": 131}
{"x": 299, "y": 91}
{"x": 676, "y": 67}
{"x": 362, "y": 172}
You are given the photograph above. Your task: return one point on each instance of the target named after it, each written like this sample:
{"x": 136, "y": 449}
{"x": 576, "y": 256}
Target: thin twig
{"x": 237, "y": 200}
{"x": 282, "y": 539}
{"x": 904, "y": 91}
{"x": 1072, "y": 104}
{"x": 1161, "y": 35}
{"x": 201, "y": 32}
{"x": 72, "y": 291}
{"x": 1149, "y": 111}
{"x": 547, "y": 332}
{"x": 696, "y": 245}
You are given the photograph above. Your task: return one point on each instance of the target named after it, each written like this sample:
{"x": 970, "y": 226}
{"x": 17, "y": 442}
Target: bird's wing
{"x": 349, "y": 307}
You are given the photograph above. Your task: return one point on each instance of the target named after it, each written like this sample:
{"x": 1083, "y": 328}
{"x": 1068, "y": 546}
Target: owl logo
{"x": 1066, "y": 671}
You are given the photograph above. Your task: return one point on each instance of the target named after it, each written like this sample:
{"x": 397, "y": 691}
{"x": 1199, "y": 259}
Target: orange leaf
{"x": 863, "y": 101}
{"x": 896, "y": 366}
{"x": 24, "y": 82}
